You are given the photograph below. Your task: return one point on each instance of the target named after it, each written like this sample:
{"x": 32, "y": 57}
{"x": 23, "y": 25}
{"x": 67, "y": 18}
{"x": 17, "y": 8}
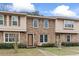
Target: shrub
{"x": 69, "y": 44}
{"x": 6, "y": 45}
{"x": 11, "y": 45}
{"x": 48, "y": 45}
{"x": 22, "y": 45}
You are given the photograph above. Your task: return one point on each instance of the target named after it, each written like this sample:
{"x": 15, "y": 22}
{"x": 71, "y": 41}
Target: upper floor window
{"x": 1, "y": 19}
{"x": 68, "y": 24}
{"x": 46, "y": 23}
{"x": 14, "y": 20}
{"x": 35, "y": 23}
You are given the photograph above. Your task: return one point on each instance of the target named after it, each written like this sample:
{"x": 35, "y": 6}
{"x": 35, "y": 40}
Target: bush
{"x": 69, "y": 44}
{"x": 48, "y": 45}
{"x": 22, "y": 45}
{"x": 11, "y": 45}
{"x": 6, "y": 45}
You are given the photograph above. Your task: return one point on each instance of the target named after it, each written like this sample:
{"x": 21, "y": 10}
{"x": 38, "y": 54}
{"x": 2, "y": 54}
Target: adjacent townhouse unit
{"x": 37, "y": 30}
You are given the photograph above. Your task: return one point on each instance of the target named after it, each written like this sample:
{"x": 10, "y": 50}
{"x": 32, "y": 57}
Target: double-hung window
{"x": 1, "y": 20}
{"x": 46, "y": 23}
{"x": 14, "y": 21}
{"x": 68, "y": 24}
{"x": 43, "y": 38}
{"x": 11, "y": 37}
{"x": 35, "y": 23}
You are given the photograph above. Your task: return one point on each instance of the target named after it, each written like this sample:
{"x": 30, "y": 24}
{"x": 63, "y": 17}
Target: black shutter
{"x": 18, "y": 20}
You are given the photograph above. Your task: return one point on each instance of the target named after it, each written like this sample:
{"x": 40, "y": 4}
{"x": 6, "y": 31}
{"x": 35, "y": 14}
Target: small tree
{"x": 16, "y": 44}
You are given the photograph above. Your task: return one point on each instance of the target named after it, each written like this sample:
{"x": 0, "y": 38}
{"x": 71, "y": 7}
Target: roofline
{"x": 47, "y": 17}
{"x": 65, "y": 18}
{"x": 14, "y": 13}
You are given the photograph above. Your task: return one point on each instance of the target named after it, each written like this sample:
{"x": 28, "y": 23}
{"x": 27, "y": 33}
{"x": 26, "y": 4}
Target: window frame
{"x": 44, "y": 38}
{"x": 71, "y": 23}
{"x": 37, "y": 23}
{"x": 13, "y": 20}
{"x": 9, "y": 37}
{"x": 3, "y": 20}
{"x": 67, "y": 38}
{"x": 47, "y": 23}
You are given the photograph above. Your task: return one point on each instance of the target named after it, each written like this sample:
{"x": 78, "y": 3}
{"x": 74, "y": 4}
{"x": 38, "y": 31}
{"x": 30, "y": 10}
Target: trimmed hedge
{"x": 69, "y": 44}
{"x": 6, "y": 45}
{"x": 22, "y": 45}
{"x": 11, "y": 45}
{"x": 48, "y": 45}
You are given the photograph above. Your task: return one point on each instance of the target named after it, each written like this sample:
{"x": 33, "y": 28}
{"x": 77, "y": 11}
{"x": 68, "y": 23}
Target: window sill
{"x": 68, "y": 28}
{"x": 43, "y": 42}
{"x": 36, "y": 27}
{"x": 11, "y": 42}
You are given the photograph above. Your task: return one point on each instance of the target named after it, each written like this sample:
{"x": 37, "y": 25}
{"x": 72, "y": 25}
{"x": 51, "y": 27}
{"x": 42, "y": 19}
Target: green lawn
{"x": 41, "y": 51}
{"x": 21, "y": 52}
{"x": 63, "y": 51}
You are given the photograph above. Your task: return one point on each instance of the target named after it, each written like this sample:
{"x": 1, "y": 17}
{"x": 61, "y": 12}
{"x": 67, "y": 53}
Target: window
{"x": 11, "y": 38}
{"x": 43, "y": 38}
{"x": 14, "y": 20}
{"x": 35, "y": 23}
{"x": 69, "y": 24}
{"x": 1, "y": 19}
{"x": 68, "y": 37}
{"x": 46, "y": 23}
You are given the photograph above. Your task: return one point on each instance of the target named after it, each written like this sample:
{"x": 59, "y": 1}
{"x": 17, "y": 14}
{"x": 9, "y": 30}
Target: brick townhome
{"x": 37, "y": 30}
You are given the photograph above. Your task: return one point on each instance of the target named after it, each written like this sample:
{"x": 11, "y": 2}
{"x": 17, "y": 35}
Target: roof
{"x": 66, "y": 18}
{"x": 47, "y": 17}
{"x": 14, "y": 13}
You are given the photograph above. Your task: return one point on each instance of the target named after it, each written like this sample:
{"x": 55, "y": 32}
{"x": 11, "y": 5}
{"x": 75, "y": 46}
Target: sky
{"x": 47, "y": 9}
{"x": 64, "y": 9}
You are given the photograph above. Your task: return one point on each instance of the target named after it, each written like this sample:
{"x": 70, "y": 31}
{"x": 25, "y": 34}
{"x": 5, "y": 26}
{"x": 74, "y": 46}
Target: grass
{"x": 21, "y": 52}
{"x": 35, "y": 51}
{"x": 63, "y": 51}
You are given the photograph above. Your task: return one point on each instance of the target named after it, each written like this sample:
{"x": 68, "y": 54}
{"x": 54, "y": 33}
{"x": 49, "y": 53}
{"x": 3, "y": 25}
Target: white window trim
{"x": 68, "y": 27}
{"x": 3, "y": 20}
{"x": 37, "y": 23}
{"x": 11, "y": 33}
{"x": 12, "y": 21}
{"x": 70, "y": 37}
{"x": 44, "y": 23}
{"x": 44, "y": 39}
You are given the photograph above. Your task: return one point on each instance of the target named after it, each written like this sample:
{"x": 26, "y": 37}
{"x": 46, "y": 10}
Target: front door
{"x": 30, "y": 39}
